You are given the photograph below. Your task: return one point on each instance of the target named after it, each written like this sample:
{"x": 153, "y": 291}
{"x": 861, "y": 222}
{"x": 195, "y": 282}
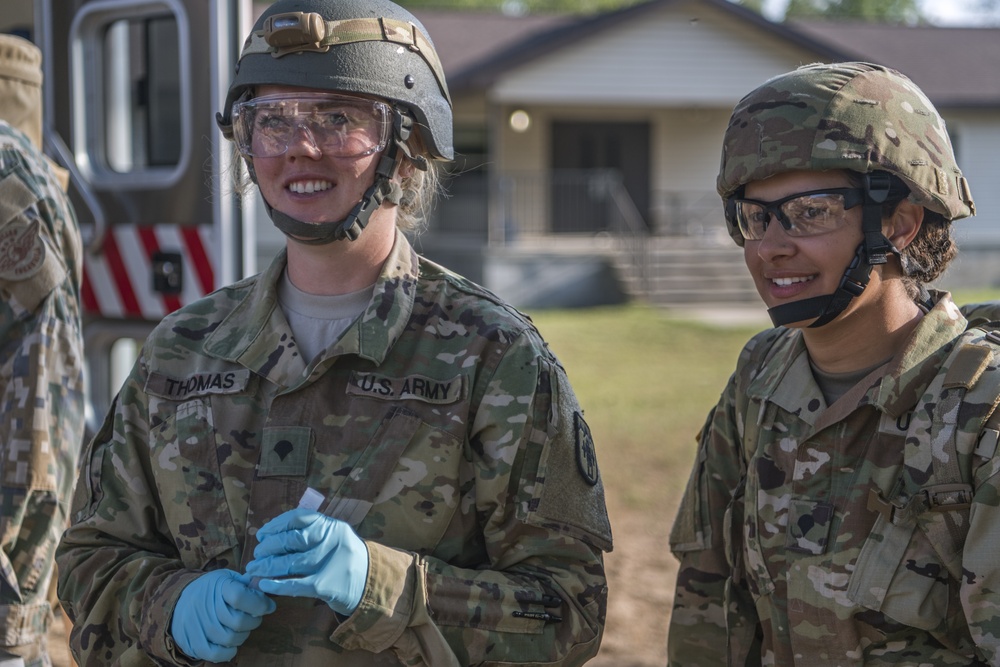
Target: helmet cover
{"x": 364, "y": 47}
{"x": 855, "y": 116}
{"x": 21, "y": 86}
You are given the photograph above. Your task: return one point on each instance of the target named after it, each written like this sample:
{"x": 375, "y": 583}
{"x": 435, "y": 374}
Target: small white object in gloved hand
{"x": 311, "y": 500}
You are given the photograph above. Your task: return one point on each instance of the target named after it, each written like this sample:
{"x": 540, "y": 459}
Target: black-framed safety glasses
{"x": 801, "y": 214}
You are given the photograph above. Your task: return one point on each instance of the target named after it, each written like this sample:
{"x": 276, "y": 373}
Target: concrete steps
{"x": 577, "y": 270}
{"x": 683, "y": 271}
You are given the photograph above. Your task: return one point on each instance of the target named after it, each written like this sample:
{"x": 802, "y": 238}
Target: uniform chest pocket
{"x": 189, "y": 482}
{"x": 404, "y": 490}
{"x": 900, "y": 571}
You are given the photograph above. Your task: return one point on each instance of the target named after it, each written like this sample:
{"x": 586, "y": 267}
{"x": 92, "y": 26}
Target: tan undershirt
{"x": 835, "y": 385}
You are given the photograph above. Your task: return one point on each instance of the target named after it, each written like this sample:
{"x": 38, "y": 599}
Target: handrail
{"x": 574, "y": 201}
{"x": 56, "y": 146}
{"x": 634, "y": 238}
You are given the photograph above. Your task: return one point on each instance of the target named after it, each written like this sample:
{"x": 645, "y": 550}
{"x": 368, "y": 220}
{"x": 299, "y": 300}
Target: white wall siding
{"x": 684, "y": 155}
{"x": 687, "y": 147}
{"x": 976, "y": 135}
{"x": 977, "y": 144}
{"x": 687, "y": 54}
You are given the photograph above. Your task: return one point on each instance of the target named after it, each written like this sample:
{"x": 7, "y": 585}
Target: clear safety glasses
{"x": 338, "y": 125}
{"x": 802, "y": 214}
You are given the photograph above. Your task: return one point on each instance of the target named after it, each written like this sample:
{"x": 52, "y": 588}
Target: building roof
{"x": 955, "y": 67}
{"x": 467, "y": 39}
{"x": 503, "y": 45}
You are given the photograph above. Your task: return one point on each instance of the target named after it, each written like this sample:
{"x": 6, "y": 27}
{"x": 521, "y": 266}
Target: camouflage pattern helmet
{"x": 365, "y": 47}
{"x": 855, "y": 116}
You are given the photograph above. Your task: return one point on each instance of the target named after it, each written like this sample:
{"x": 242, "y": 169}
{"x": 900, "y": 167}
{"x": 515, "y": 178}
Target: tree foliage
{"x": 883, "y": 11}
{"x": 755, "y": 5}
{"x": 519, "y": 7}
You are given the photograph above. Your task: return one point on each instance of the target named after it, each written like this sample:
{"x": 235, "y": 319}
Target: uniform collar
{"x": 894, "y": 388}
{"x": 912, "y": 370}
{"x": 256, "y": 334}
{"x": 385, "y": 318}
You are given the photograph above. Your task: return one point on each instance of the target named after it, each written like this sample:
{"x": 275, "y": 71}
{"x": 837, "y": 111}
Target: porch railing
{"x": 573, "y": 202}
{"x": 591, "y": 201}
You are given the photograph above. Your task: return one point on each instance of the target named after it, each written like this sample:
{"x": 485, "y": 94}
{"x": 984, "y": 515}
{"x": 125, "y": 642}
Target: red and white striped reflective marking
{"x": 118, "y": 281}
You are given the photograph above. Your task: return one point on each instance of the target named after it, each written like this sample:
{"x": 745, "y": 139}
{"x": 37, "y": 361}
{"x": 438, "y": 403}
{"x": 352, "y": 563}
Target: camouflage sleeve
{"x": 41, "y": 382}
{"x": 119, "y": 573}
{"x": 980, "y": 587}
{"x": 541, "y": 596}
{"x": 698, "y": 632}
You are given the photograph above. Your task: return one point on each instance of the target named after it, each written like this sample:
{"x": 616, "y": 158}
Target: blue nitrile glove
{"x": 303, "y": 553}
{"x": 215, "y": 614}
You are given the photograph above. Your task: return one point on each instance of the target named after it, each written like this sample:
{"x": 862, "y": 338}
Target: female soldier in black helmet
{"x": 843, "y": 507}
{"x": 356, "y": 457}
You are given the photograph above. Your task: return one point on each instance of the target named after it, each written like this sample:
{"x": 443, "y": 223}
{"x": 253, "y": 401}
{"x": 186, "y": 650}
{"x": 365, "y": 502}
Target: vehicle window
{"x": 142, "y": 96}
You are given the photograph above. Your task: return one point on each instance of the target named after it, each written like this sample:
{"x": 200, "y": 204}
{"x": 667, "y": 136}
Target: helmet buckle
{"x": 295, "y": 31}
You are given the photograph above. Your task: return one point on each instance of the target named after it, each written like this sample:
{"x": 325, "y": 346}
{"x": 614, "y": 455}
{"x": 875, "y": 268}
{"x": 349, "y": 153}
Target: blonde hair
{"x": 420, "y": 189}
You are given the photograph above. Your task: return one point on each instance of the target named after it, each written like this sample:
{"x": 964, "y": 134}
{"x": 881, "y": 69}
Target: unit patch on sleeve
{"x": 586, "y": 457}
{"x": 414, "y": 387}
{"x": 22, "y": 251}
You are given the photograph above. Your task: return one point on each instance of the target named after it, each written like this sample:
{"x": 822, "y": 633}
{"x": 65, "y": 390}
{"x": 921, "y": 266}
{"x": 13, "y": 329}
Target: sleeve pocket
{"x": 691, "y": 532}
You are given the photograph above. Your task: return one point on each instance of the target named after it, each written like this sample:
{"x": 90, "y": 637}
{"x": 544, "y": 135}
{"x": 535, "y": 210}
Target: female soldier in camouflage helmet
{"x": 356, "y": 457}
{"x": 837, "y": 479}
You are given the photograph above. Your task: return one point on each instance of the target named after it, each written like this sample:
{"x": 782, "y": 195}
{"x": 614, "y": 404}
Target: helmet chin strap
{"x": 871, "y": 251}
{"x": 381, "y": 190}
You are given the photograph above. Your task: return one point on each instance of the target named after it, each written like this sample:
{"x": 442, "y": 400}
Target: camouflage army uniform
{"x": 783, "y": 538}
{"x": 41, "y": 363}
{"x": 439, "y": 426}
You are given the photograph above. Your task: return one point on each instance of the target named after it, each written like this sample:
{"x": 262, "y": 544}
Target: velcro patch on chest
{"x": 197, "y": 384}
{"x": 409, "y": 387}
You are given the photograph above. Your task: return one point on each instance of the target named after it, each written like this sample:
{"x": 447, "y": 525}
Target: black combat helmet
{"x": 365, "y": 47}
{"x": 373, "y": 48}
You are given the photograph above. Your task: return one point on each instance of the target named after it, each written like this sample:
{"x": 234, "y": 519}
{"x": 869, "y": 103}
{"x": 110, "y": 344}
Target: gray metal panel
{"x": 177, "y": 188}
{"x": 188, "y": 183}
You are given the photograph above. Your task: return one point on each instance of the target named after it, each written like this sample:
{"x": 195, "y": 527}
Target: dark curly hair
{"x": 933, "y": 249}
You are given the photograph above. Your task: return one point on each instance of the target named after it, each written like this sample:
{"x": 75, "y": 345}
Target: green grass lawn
{"x": 646, "y": 381}
{"x": 964, "y": 296}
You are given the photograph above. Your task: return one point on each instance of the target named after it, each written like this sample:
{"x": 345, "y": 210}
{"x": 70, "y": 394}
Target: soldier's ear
{"x": 904, "y": 224}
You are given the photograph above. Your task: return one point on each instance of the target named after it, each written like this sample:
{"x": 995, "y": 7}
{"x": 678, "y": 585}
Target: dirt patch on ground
{"x": 641, "y": 573}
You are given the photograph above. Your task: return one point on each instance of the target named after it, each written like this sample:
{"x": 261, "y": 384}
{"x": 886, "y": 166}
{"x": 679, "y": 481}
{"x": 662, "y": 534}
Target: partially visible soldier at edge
{"x": 356, "y": 457}
{"x": 844, "y": 506}
{"x": 41, "y": 359}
